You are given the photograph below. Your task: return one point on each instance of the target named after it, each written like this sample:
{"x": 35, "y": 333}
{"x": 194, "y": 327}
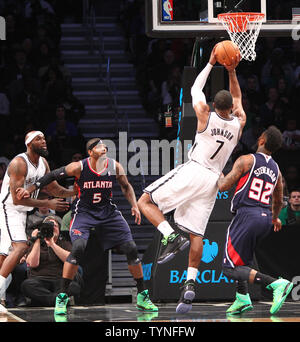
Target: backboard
{"x": 198, "y": 18}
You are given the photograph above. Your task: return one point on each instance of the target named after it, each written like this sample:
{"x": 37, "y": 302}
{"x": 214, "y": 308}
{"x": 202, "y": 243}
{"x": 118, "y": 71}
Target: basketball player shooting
{"x": 191, "y": 188}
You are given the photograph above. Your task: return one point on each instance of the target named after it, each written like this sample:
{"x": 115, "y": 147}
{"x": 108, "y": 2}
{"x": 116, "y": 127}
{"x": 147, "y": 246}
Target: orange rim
{"x": 236, "y": 21}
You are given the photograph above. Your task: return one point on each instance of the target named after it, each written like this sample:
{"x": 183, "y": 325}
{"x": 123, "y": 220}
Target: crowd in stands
{"x": 35, "y": 85}
{"x": 36, "y": 94}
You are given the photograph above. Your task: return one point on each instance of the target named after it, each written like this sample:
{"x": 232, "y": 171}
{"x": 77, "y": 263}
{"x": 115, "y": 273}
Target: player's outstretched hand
{"x": 235, "y": 63}
{"x": 277, "y": 224}
{"x": 135, "y": 212}
{"x": 58, "y": 204}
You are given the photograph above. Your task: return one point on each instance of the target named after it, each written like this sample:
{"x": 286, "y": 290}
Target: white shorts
{"x": 190, "y": 189}
{"x": 13, "y": 224}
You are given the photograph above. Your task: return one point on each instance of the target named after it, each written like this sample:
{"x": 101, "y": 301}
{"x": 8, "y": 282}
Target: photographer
{"x": 45, "y": 263}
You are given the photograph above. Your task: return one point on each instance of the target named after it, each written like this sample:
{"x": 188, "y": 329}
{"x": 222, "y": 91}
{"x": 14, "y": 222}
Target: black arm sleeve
{"x": 56, "y": 174}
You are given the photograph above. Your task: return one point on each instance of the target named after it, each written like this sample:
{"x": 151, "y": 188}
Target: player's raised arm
{"x": 236, "y": 94}
{"x": 199, "y": 100}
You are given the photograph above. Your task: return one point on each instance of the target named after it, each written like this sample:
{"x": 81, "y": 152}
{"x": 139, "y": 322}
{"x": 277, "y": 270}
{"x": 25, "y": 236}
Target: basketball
{"x": 227, "y": 52}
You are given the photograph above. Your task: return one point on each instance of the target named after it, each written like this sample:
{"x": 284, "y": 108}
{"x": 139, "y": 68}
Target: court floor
{"x": 126, "y": 312}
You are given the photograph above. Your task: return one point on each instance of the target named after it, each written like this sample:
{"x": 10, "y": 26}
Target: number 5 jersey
{"x": 95, "y": 188}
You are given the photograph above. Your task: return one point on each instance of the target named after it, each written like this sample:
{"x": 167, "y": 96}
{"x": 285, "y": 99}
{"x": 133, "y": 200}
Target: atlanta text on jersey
{"x": 97, "y": 184}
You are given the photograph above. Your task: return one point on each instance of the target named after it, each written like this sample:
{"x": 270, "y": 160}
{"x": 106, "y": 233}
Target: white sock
{"x": 192, "y": 273}
{"x": 8, "y": 281}
{"x": 165, "y": 228}
{"x": 5, "y": 286}
{"x": 2, "y": 282}
{"x": 2, "y": 286}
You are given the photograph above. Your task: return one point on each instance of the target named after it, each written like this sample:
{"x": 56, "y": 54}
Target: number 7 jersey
{"x": 255, "y": 188}
{"x": 214, "y": 145}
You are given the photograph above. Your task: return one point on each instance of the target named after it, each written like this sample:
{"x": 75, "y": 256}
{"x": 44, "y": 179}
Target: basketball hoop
{"x": 243, "y": 29}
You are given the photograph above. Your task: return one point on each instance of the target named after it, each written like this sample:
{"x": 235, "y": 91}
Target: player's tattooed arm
{"x": 240, "y": 167}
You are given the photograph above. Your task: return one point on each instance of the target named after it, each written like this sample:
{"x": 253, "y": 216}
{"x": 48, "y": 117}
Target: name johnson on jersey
{"x": 224, "y": 133}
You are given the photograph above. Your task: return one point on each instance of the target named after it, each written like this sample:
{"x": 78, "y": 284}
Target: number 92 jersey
{"x": 214, "y": 145}
{"x": 255, "y": 188}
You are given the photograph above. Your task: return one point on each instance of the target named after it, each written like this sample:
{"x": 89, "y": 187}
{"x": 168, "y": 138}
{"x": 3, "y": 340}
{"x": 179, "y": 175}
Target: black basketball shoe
{"x": 174, "y": 243}
{"x": 187, "y": 295}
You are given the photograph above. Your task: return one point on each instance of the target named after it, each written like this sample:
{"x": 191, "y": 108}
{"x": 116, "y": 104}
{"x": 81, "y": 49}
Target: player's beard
{"x": 40, "y": 151}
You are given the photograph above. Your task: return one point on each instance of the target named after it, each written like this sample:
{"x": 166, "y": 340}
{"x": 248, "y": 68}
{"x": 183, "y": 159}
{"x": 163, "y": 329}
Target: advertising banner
{"x": 165, "y": 280}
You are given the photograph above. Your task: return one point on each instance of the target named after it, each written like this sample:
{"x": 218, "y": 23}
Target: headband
{"x": 32, "y": 136}
{"x": 95, "y": 143}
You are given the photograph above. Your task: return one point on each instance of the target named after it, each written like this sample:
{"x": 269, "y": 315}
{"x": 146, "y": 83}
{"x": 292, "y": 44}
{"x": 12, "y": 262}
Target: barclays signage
{"x": 206, "y": 276}
{"x": 222, "y": 195}
{"x": 164, "y": 280}
{"x": 210, "y": 251}
{"x": 203, "y": 277}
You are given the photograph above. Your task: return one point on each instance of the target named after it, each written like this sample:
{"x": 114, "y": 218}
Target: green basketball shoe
{"x": 281, "y": 288}
{"x": 61, "y": 304}
{"x": 144, "y": 302}
{"x": 241, "y": 304}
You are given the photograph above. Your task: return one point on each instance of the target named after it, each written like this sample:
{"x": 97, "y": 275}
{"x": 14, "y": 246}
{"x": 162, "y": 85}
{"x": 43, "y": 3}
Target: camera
{"x": 45, "y": 230}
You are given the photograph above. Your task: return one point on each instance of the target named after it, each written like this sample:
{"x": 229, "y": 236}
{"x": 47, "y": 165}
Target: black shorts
{"x": 112, "y": 230}
{"x": 249, "y": 225}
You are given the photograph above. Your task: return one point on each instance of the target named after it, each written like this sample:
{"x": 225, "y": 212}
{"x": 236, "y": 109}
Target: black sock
{"x": 263, "y": 279}
{"x": 140, "y": 284}
{"x": 242, "y": 287}
{"x": 65, "y": 282}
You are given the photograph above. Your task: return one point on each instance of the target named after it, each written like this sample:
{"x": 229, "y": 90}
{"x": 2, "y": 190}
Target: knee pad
{"x": 78, "y": 248}
{"x": 240, "y": 273}
{"x": 130, "y": 250}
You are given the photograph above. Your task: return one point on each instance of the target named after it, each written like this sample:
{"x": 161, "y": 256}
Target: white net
{"x": 243, "y": 29}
